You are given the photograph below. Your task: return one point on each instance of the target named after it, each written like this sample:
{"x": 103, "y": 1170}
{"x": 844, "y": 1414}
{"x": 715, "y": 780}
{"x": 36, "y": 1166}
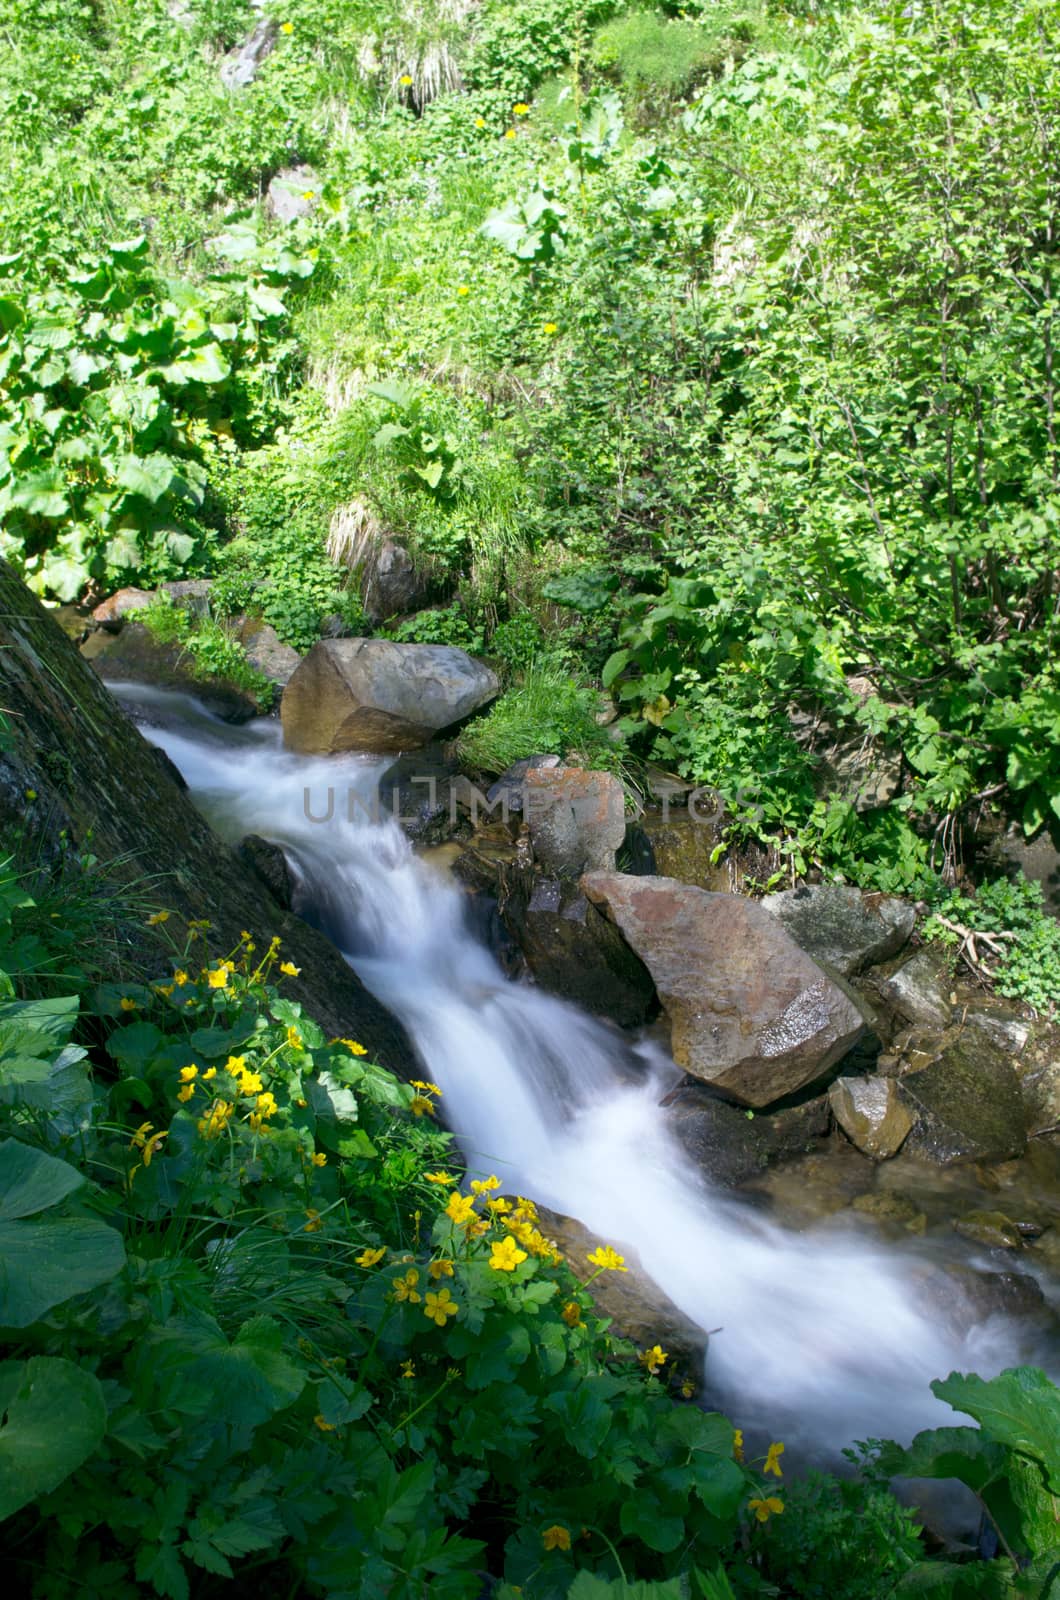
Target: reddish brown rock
{"x": 576, "y": 818}
{"x": 750, "y": 1012}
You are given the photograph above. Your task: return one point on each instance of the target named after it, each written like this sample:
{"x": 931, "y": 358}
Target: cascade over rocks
{"x": 374, "y": 694}
{"x": 727, "y": 1147}
{"x": 842, "y": 928}
{"x": 93, "y": 772}
{"x": 751, "y": 1014}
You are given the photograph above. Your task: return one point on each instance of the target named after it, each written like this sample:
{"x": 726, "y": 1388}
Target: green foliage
{"x": 1020, "y": 944}
{"x": 311, "y": 1351}
{"x": 662, "y": 57}
{"x": 212, "y": 648}
{"x": 445, "y": 625}
{"x": 839, "y": 1539}
{"x": 545, "y": 713}
{"x": 1010, "y": 1462}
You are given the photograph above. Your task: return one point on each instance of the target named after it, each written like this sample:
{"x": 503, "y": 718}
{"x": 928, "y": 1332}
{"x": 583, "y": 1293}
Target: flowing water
{"x": 818, "y": 1331}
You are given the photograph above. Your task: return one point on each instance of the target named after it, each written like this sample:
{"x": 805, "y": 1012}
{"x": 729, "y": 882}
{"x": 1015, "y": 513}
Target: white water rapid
{"x": 819, "y": 1331}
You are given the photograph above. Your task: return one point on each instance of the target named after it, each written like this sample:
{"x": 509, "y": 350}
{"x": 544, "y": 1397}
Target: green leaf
{"x": 1019, "y": 1408}
{"x": 31, "y": 1181}
{"x": 641, "y": 1517}
{"x": 55, "y": 1418}
{"x": 44, "y": 1263}
{"x": 43, "y": 494}
{"x": 615, "y": 664}
{"x": 149, "y": 477}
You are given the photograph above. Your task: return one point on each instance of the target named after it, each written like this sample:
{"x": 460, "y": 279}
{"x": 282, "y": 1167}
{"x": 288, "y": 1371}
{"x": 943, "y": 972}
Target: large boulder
{"x": 842, "y": 928}
{"x": 374, "y": 694}
{"x": 967, "y": 1103}
{"x": 267, "y": 652}
{"x": 241, "y": 66}
{"x": 292, "y": 193}
{"x": 682, "y": 845}
{"x": 576, "y": 818}
{"x": 390, "y": 583}
{"x": 730, "y": 1147}
{"x": 871, "y": 1113}
{"x": 574, "y": 951}
{"x": 917, "y": 992}
{"x": 750, "y": 1013}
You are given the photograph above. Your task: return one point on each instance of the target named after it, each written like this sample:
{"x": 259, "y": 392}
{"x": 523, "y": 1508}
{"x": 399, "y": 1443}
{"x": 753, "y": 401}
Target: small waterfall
{"x": 817, "y": 1330}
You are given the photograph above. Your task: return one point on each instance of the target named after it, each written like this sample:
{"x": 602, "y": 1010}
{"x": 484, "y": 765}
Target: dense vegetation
{"x": 709, "y": 349}
{"x": 702, "y": 356}
{"x": 259, "y": 1340}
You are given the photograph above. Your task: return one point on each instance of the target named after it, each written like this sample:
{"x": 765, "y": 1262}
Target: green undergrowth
{"x": 545, "y": 712}
{"x": 1003, "y": 933}
{"x": 261, "y": 1337}
{"x": 208, "y": 645}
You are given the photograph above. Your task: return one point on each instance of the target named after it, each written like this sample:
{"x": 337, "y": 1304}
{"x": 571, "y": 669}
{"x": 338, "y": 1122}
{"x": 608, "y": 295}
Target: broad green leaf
{"x": 55, "y": 1416}
{"x": 149, "y": 477}
{"x": 48, "y": 1261}
{"x": 31, "y": 1181}
{"x": 43, "y": 494}
{"x": 1019, "y": 1408}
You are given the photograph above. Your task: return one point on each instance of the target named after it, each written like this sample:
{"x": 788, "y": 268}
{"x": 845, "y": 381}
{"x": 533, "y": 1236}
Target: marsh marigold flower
{"x": 127, "y": 1004}
{"x": 737, "y": 1444}
{"x": 437, "y": 1307}
{"x": 157, "y": 918}
{"x": 556, "y": 1538}
{"x": 654, "y": 1359}
{"x": 773, "y": 1455}
{"x": 551, "y": 327}
{"x": 286, "y": 27}
{"x": 325, "y": 1427}
{"x": 180, "y": 977}
{"x": 440, "y": 1269}
{"x": 405, "y": 81}
{"x": 509, "y": 133}
{"x": 186, "y": 1093}
{"x": 353, "y": 1047}
{"x": 461, "y": 1209}
{"x": 370, "y": 1258}
{"x": 420, "y": 1106}
{"x": 319, "y": 1159}
{"x": 288, "y": 967}
{"x": 572, "y": 1314}
{"x": 405, "y": 1288}
{"x": 480, "y": 122}
{"x": 520, "y": 109}
{"x": 408, "y": 1369}
{"x": 608, "y": 1260}
{"x": 315, "y": 1221}
{"x": 505, "y": 1255}
{"x": 485, "y": 1185}
{"x": 764, "y": 1509}
{"x": 444, "y": 1178}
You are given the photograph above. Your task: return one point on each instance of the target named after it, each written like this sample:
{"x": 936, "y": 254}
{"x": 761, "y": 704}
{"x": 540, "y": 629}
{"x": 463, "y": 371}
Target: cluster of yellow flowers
{"x": 770, "y": 1505}
{"x": 422, "y": 1102}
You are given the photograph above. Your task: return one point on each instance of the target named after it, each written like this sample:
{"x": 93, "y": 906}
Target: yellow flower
{"x": 764, "y": 1509}
{"x": 445, "y": 1178}
{"x": 315, "y": 1222}
{"x": 427, "y": 1088}
{"x": 654, "y": 1359}
{"x": 408, "y": 1369}
{"x": 461, "y": 1209}
{"x": 188, "y": 1073}
{"x": 420, "y": 1106}
{"x": 152, "y": 1146}
{"x": 773, "y": 1455}
{"x": 405, "y": 1288}
{"x": 319, "y": 1159}
{"x": 286, "y": 27}
{"x": 186, "y": 1093}
{"x": 266, "y": 1106}
{"x": 294, "y": 1039}
{"x": 200, "y": 924}
{"x": 156, "y": 918}
{"x": 572, "y": 1314}
{"x": 440, "y": 1269}
{"x": 370, "y": 1258}
{"x": 438, "y": 1306}
{"x": 551, "y": 327}
{"x": 325, "y": 1427}
{"x": 485, "y": 1185}
{"x": 180, "y": 977}
{"x": 498, "y": 1207}
{"x": 520, "y": 109}
{"x": 405, "y": 81}
{"x": 214, "y": 1123}
{"x": 245, "y": 936}
{"x": 505, "y": 1255}
{"x": 480, "y": 122}
{"x": 556, "y": 1538}
{"x": 217, "y": 978}
{"x": 211, "y": 1072}
{"x": 290, "y": 969}
{"x": 688, "y": 1389}
{"x": 127, "y": 1004}
{"x": 462, "y": 289}
{"x": 165, "y": 989}
{"x": 509, "y": 133}
{"x": 141, "y": 1134}
{"x": 608, "y": 1260}
{"x": 737, "y": 1444}
{"x": 307, "y": 194}
{"x": 353, "y": 1047}
{"x": 249, "y": 1082}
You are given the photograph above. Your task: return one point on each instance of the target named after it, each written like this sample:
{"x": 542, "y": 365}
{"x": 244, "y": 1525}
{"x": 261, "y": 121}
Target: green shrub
{"x": 211, "y": 647}
{"x": 1004, "y": 933}
{"x": 664, "y": 55}
{"x": 545, "y": 713}
{"x": 442, "y": 625}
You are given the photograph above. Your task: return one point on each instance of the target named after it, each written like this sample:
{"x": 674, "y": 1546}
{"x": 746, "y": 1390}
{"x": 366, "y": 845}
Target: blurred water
{"x": 819, "y": 1332}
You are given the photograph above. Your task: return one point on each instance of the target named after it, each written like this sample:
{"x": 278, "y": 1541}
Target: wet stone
{"x": 842, "y": 928}
{"x": 990, "y": 1228}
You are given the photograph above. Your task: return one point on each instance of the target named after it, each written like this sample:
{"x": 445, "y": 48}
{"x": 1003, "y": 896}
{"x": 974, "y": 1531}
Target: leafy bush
{"x": 665, "y": 55}
{"x": 1003, "y": 932}
{"x": 545, "y": 713}
{"x": 252, "y": 1321}
{"x": 443, "y": 625}
{"x": 214, "y": 651}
